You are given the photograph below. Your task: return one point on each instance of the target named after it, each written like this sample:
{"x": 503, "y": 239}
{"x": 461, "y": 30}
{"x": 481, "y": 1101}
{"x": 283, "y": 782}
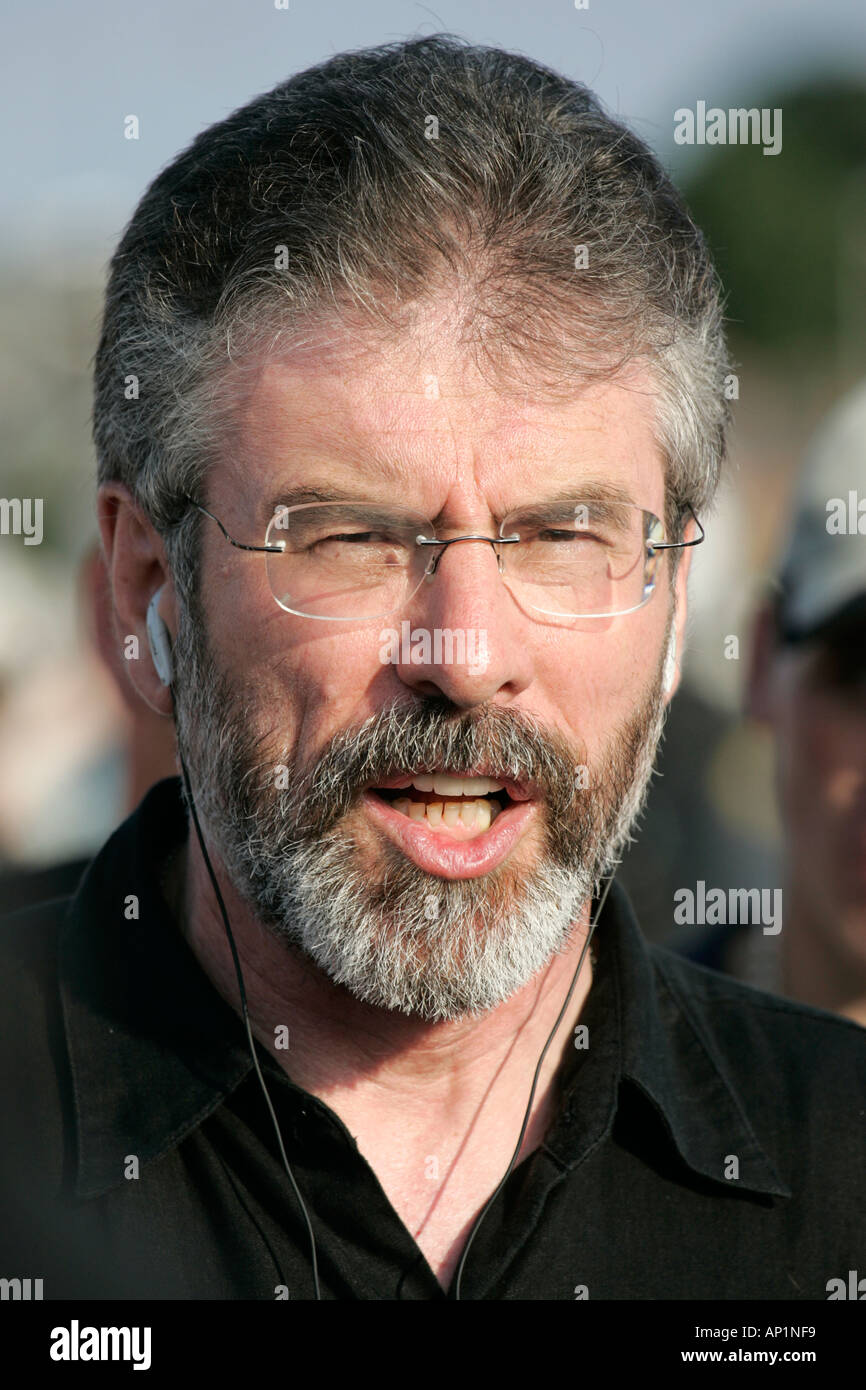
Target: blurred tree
{"x": 788, "y": 231}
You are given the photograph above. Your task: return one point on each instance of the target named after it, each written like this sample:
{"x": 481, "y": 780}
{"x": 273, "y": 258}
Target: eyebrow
{"x": 295, "y": 496}
{"x": 595, "y": 490}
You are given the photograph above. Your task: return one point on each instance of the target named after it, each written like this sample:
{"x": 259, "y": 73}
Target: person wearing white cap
{"x": 807, "y": 681}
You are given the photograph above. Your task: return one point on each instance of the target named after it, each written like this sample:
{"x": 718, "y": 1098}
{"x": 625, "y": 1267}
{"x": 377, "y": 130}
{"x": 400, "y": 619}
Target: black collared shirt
{"x": 708, "y": 1143}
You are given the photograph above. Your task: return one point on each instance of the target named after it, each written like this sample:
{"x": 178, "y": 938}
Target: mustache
{"x": 429, "y": 733}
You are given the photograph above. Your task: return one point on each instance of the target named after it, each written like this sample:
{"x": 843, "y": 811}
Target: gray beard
{"x": 393, "y": 935}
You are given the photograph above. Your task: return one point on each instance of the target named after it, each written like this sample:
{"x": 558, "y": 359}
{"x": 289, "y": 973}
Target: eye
{"x": 360, "y": 537}
{"x": 364, "y": 547}
{"x": 354, "y": 536}
{"x": 549, "y": 533}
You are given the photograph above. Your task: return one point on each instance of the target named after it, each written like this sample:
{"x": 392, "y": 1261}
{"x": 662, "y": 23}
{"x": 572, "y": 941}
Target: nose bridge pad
{"x": 433, "y": 565}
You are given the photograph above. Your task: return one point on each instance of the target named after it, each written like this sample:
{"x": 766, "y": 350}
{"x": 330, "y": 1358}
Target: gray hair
{"x": 338, "y": 192}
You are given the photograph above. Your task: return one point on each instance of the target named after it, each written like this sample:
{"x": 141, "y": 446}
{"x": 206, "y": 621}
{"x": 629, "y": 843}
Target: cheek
{"x": 815, "y": 758}
{"x": 595, "y": 682}
{"x": 310, "y": 685}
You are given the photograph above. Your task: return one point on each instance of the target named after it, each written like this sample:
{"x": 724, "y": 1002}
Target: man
{"x": 806, "y": 682}
{"x": 427, "y": 363}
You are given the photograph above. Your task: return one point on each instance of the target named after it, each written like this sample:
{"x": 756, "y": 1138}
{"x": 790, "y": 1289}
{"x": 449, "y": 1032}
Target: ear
{"x": 678, "y": 631}
{"x": 758, "y": 698}
{"x": 136, "y": 566}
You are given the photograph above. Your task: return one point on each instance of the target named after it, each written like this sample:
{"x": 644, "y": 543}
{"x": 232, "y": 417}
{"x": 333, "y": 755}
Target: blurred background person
{"x": 141, "y": 747}
{"x": 807, "y": 683}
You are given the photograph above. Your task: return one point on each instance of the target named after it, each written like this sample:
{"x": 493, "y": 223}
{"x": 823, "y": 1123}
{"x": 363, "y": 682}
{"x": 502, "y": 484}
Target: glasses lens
{"x": 582, "y": 559}
{"x": 345, "y": 560}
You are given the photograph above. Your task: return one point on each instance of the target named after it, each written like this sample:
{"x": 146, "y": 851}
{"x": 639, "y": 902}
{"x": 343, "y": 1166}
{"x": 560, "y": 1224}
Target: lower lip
{"x": 435, "y": 852}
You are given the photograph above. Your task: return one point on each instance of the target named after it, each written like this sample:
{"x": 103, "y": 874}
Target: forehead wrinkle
{"x": 401, "y": 448}
{"x": 277, "y": 381}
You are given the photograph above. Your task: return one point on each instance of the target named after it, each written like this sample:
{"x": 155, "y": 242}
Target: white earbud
{"x": 670, "y": 663}
{"x": 670, "y": 672}
{"x": 159, "y": 641}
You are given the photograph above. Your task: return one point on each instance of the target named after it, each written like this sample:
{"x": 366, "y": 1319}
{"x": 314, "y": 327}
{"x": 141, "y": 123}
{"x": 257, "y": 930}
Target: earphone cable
{"x": 246, "y": 1017}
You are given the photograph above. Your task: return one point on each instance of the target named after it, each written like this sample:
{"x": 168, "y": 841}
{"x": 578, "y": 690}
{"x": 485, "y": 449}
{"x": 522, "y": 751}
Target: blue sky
{"x": 70, "y": 73}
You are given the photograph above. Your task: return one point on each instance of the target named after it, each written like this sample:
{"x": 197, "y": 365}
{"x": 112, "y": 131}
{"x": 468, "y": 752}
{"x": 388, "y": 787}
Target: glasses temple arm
{"x": 275, "y": 549}
{"x": 681, "y": 545}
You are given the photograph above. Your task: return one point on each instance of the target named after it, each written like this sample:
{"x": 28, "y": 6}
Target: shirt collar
{"x": 646, "y": 1028}
{"x": 154, "y": 1049}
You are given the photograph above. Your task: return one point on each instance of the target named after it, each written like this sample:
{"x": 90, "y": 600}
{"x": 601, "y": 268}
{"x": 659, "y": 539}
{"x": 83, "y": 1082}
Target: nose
{"x": 462, "y": 635}
{"x": 459, "y": 540}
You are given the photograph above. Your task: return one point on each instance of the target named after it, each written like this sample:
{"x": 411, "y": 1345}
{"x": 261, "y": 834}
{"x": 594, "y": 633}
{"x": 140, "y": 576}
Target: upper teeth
{"x": 456, "y": 786}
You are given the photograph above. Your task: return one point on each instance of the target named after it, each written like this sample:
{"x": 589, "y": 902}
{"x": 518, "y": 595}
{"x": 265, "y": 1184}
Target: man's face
{"x": 290, "y": 725}
{"x": 818, "y": 712}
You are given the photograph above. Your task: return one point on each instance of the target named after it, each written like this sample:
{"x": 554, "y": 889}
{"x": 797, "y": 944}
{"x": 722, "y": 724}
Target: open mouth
{"x": 453, "y": 824}
{"x": 446, "y": 803}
